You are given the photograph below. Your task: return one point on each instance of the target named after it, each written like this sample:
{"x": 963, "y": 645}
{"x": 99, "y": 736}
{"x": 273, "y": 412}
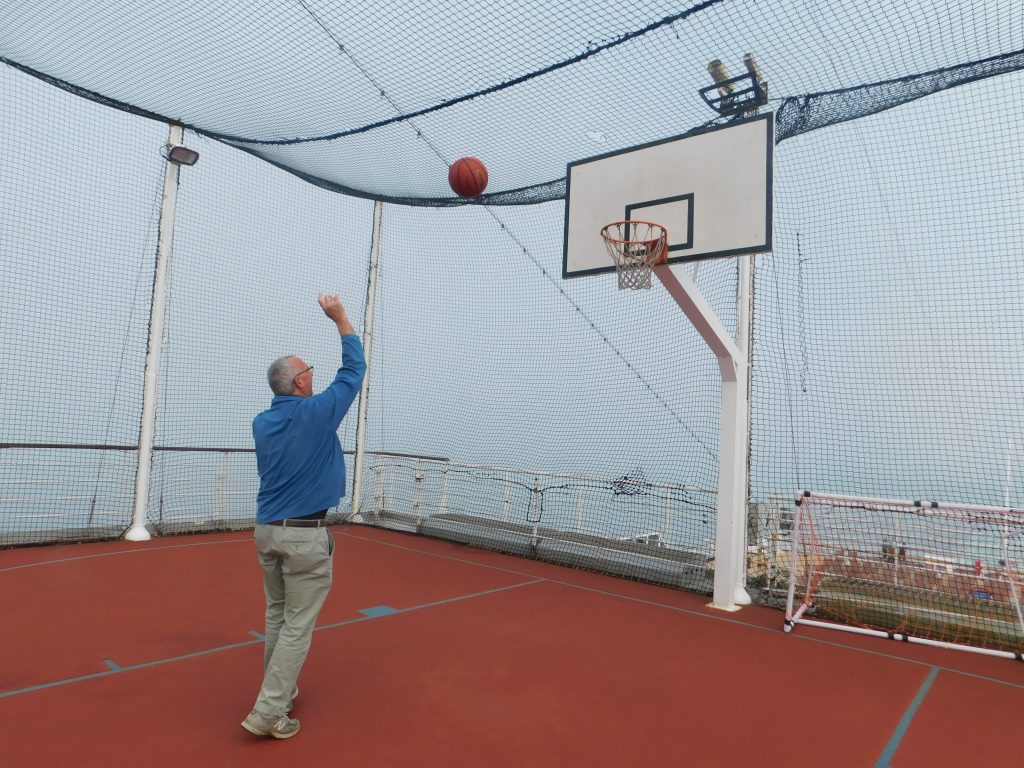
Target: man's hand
{"x": 333, "y": 308}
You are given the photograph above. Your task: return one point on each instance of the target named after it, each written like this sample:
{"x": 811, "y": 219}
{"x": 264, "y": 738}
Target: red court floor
{"x": 429, "y": 653}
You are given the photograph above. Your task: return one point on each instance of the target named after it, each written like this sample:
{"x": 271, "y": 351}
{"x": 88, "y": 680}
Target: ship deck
{"x": 430, "y": 653}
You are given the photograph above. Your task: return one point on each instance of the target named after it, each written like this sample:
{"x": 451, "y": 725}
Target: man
{"x": 302, "y": 475}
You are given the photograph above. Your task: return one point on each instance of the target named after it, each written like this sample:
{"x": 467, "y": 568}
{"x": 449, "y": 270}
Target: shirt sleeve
{"x": 333, "y": 403}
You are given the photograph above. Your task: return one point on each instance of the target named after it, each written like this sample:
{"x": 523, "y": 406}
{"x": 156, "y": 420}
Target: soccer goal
{"x": 948, "y": 575}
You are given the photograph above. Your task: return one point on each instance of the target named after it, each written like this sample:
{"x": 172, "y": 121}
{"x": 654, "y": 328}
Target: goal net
{"x": 940, "y": 574}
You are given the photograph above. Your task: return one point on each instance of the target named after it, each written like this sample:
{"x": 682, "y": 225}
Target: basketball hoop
{"x": 635, "y": 247}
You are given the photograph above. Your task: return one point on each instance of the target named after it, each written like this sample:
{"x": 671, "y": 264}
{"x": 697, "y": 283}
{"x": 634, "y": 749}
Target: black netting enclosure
{"x": 505, "y": 406}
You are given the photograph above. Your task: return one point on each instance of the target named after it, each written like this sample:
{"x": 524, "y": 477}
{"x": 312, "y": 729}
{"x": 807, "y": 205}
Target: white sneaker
{"x": 283, "y": 728}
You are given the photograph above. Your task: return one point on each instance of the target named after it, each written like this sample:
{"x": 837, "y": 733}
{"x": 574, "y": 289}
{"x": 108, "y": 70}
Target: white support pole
{"x": 730, "y": 529}
{"x": 504, "y": 502}
{"x": 417, "y": 495}
{"x": 1009, "y": 472}
{"x": 794, "y": 564}
{"x": 745, "y": 342}
{"x": 220, "y": 502}
{"x": 368, "y": 316}
{"x": 158, "y": 307}
{"x": 581, "y": 494}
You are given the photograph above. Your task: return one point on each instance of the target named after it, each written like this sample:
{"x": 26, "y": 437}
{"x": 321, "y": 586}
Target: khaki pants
{"x": 297, "y": 570}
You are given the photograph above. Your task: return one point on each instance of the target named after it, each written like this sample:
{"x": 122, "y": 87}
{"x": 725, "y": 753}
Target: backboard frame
{"x": 680, "y": 245}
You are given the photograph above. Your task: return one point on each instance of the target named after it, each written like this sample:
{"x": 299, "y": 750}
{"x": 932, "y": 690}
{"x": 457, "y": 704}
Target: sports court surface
{"x": 430, "y": 653}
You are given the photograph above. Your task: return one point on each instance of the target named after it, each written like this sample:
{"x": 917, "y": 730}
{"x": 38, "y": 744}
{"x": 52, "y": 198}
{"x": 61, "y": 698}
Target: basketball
{"x": 468, "y": 177}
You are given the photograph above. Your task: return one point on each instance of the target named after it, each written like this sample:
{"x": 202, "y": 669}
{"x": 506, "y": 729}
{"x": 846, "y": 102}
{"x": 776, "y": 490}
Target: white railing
{"x": 617, "y": 508}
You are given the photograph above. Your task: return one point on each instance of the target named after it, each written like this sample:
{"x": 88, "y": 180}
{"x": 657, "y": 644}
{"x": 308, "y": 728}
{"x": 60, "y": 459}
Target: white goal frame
{"x": 810, "y": 561}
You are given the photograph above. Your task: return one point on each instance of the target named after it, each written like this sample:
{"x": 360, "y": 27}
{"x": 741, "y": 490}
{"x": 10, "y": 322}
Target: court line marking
{"x": 121, "y": 552}
{"x": 378, "y": 610}
{"x": 680, "y": 609}
{"x": 689, "y": 611}
{"x": 116, "y": 669}
{"x": 904, "y": 724}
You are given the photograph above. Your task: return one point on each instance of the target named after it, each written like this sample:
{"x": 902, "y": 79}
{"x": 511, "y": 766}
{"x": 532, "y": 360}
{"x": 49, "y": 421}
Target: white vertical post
{"x": 730, "y": 530}
{"x": 417, "y": 494}
{"x": 220, "y": 506}
{"x": 138, "y": 531}
{"x": 745, "y": 342}
{"x": 368, "y": 315}
{"x": 504, "y": 503}
{"x": 1010, "y": 583}
{"x": 581, "y": 495}
{"x": 377, "y": 503}
{"x": 537, "y": 499}
{"x": 730, "y": 537}
{"x": 444, "y": 493}
{"x": 1009, "y": 472}
{"x": 793, "y": 565}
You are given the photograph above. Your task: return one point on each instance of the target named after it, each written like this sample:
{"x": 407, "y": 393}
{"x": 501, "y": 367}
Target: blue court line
{"x": 901, "y": 729}
{"x": 114, "y": 666}
{"x": 436, "y": 603}
{"x": 233, "y": 646}
{"x": 257, "y": 635}
{"x": 378, "y": 611}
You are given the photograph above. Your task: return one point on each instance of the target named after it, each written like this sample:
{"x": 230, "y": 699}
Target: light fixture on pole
{"x": 180, "y": 155}
{"x": 176, "y": 155}
{"x": 735, "y": 95}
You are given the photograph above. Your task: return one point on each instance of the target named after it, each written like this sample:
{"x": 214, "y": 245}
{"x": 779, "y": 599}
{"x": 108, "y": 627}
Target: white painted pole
{"x": 794, "y": 563}
{"x": 730, "y": 531}
{"x": 417, "y": 496}
{"x": 364, "y": 389}
{"x": 745, "y": 342}
{"x": 158, "y": 307}
{"x": 905, "y": 638}
{"x": 1009, "y": 472}
{"x": 504, "y": 503}
{"x": 730, "y": 539}
{"x": 581, "y": 494}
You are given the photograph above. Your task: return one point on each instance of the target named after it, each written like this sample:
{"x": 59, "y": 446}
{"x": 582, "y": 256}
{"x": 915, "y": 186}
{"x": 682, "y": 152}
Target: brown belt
{"x": 292, "y": 523}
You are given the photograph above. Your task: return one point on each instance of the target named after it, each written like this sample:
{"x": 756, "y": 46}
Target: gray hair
{"x": 281, "y": 376}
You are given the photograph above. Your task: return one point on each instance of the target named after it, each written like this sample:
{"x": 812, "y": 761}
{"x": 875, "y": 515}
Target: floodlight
{"x": 180, "y": 155}
{"x": 720, "y": 74}
{"x": 752, "y": 69}
{"x": 736, "y": 95}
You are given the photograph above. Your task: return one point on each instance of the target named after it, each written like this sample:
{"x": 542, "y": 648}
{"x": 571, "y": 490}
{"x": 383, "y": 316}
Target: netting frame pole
{"x": 1010, "y": 583}
{"x": 729, "y": 593}
{"x": 154, "y": 344}
{"x": 364, "y": 388}
{"x": 793, "y": 565}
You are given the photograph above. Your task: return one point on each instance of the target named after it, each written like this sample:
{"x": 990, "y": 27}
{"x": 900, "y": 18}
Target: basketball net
{"x": 635, "y": 247}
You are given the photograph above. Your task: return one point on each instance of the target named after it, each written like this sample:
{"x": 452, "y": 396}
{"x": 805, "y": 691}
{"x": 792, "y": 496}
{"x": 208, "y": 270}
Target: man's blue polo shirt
{"x": 298, "y": 454}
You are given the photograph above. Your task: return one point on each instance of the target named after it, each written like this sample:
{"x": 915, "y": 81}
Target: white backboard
{"x": 711, "y": 189}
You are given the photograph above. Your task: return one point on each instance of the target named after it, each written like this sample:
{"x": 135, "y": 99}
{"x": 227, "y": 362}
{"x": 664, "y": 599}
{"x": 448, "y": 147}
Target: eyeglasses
{"x": 302, "y": 372}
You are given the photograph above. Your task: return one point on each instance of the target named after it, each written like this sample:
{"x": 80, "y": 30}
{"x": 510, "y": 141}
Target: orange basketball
{"x": 468, "y": 177}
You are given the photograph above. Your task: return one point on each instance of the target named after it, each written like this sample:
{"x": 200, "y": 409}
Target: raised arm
{"x": 335, "y": 401}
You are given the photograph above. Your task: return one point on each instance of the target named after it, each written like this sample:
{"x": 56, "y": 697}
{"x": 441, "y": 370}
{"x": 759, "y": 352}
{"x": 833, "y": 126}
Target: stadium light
{"x": 735, "y": 95}
{"x": 720, "y": 74}
{"x": 180, "y": 155}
